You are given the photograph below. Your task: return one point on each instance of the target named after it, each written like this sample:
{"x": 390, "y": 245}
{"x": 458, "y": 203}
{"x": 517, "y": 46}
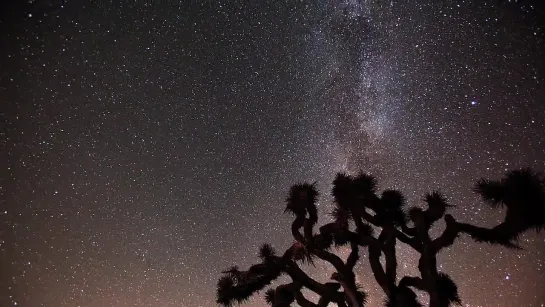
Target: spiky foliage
{"x": 237, "y": 286}
{"x": 403, "y": 297}
{"x": 325, "y": 239}
{"x": 522, "y": 192}
{"x": 516, "y": 188}
{"x": 282, "y": 296}
{"x": 362, "y": 296}
{"x": 416, "y": 214}
{"x": 393, "y": 199}
{"x": 448, "y": 291}
{"x": 269, "y": 296}
{"x": 343, "y": 190}
{"x": 341, "y": 216}
{"x": 350, "y": 192}
{"x": 340, "y": 238}
{"x": 393, "y": 203}
{"x": 437, "y": 206}
{"x": 332, "y": 234}
{"x": 267, "y": 253}
{"x": 302, "y": 200}
{"x": 365, "y": 184}
{"x": 302, "y": 253}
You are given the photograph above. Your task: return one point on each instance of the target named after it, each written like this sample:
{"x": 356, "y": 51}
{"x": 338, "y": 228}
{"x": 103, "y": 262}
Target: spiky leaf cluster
{"x": 437, "y": 206}
{"x": 343, "y": 190}
{"x": 282, "y": 296}
{"x": 333, "y": 234}
{"x": 341, "y": 216}
{"x": 392, "y": 205}
{"x": 416, "y": 214}
{"x": 522, "y": 192}
{"x": 236, "y": 287}
{"x": 448, "y": 290}
{"x": 362, "y": 296}
{"x": 267, "y": 253}
{"x": 350, "y": 191}
{"x": 301, "y": 253}
{"x": 403, "y": 297}
{"x": 269, "y": 296}
{"x": 302, "y": 201}
{"x": 365, "y": 184}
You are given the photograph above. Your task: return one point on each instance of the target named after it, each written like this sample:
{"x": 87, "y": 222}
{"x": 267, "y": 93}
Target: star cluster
{"x": 148, "y": 145}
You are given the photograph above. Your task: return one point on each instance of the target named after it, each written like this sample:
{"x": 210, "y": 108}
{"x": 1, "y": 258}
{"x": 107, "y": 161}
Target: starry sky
{"x": 148, "y": 145}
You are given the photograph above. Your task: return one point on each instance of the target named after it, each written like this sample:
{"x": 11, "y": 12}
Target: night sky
{"x": 147, "y": 145}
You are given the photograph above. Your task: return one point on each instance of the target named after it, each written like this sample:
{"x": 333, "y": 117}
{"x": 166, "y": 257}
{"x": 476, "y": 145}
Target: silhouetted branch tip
{"x": 266, "y": 252}
{"x": 448, "y": 290}
{"x": 302, "y": 199}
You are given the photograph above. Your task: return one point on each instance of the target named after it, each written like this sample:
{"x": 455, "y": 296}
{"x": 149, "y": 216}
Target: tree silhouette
{"x": 359, "y": 209}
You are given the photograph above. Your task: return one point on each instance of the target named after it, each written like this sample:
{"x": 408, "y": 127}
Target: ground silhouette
{"x": 359, "y": 211}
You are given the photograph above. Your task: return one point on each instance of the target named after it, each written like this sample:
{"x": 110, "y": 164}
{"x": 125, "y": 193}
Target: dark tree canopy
{"x": 359, "y": 209}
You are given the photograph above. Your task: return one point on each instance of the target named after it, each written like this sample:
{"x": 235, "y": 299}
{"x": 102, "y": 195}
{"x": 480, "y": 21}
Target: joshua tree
{"x": 359, "y": 209}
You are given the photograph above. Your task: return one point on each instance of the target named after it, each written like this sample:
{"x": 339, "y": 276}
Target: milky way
{"x": 151, "y": 144}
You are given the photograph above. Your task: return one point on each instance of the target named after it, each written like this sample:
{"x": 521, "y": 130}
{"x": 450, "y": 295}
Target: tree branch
{"x": 352, "y": 259}
{"x": 303, "y": 302}
{"x": 295, "y": 226}
{"x": 376, "y": 267}
{"x": 415, "y": 282}
{"x": 448, "y": 236}
{"x": 409, "y": 241}
{"x": 295, "y": 272}
{"x": 368, "y": 217}
{"x": 390, "y": 255}
{"x": 497, "y": 235}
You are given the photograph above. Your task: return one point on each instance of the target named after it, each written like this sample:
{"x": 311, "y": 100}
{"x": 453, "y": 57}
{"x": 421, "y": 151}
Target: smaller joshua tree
{"x": 359, "y": 208}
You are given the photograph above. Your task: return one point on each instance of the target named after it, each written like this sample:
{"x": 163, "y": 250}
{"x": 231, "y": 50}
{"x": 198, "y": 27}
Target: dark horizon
{"x": 150, "y": 145}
